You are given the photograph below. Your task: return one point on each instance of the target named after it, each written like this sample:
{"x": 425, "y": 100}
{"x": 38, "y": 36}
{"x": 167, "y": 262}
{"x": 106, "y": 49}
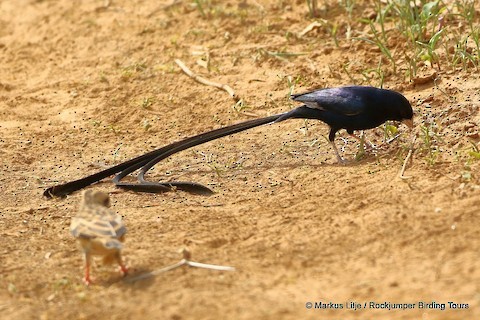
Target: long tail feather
{"x": 151, "y": 158}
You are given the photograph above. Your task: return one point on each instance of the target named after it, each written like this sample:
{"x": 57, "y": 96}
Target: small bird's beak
{"x": 408, "y": 123}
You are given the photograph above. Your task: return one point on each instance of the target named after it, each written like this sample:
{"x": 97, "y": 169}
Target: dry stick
{"x": 310, "y": 27}
{"x": 206, "y": 82}
{"x": 407, "y": 159}
{"x": 185, "y": 261}
{"x": 393, "y": 139}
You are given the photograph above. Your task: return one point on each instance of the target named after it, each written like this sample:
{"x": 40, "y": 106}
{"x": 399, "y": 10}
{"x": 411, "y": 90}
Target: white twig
{"x": 408, "y": 159}
{"x": 208, "y": 266}
{"x": 184, "y": 262}
{"x": 309, "y": 28}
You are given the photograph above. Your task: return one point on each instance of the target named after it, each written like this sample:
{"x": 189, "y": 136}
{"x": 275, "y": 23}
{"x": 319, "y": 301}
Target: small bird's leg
{"x": 88, "y": 262}
{"x": 123, "y": 268}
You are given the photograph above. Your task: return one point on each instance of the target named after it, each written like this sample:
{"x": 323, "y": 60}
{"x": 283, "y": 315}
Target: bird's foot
{"x": 342, "y": 161}
{"x": 87, "y": 280}
{"x": 123, "y": 270}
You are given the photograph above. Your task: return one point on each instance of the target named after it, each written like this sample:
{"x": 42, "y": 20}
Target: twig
{"x": 408, "y": 158}
{"x": 310, "y": 27}
{"x": 249, "y": 114}
{"x": 393, "y": 139}
{"x": 29, "y": 210}
{"x": 206, "y": 82}
{"x": 184, "y": 262}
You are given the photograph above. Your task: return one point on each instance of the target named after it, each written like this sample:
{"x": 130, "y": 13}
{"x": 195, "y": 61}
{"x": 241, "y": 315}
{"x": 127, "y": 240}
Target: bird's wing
{"x": 110, "y": 243}
{"x": 348, "y": 101}
{"x": 108, "y": 226}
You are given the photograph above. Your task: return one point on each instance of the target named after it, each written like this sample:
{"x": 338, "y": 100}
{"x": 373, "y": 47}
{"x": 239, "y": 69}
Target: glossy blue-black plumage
{"x": 351, "y": 108}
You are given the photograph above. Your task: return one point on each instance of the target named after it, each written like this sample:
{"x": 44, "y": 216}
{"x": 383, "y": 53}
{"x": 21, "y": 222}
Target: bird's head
{"x": 95, "y": 197}
{"x": 401, "y": 110}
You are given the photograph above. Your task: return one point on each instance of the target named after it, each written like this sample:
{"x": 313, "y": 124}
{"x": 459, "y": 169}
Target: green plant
{"x": 464, "y": 55}
{"x": 377, "y": 40}
{"x": 382, "y": 13}
{"x": 131, "y": 70}
{"x": 380, "y": 75}
{"x": 429, "y": 53}
{"x": 332, "y": 29}
{"x": 349, "y": 75}
{"x": 291, "y": 85}
{"x": 147, "y": 102}
{"x": 430, "y": 140}
{"x": 146, "y": 124}
{"x": 349, "y": 5}
{"x": 361, "y": 149}
{"x": 103, "y": 78}
{"x": 200, "y": 5}
{"x": 240, "y": 106}
{"x": 390, "y": 131}
{"x": 475, "y": 152}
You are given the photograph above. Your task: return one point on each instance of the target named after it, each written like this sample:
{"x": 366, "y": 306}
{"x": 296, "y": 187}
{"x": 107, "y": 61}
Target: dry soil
{"x": 88, "y": 84}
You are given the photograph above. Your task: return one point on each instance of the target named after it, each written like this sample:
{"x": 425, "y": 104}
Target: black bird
{"x": 351, "y": 108}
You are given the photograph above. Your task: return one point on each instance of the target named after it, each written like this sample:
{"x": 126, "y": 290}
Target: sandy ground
{"x": 84, "y": 86}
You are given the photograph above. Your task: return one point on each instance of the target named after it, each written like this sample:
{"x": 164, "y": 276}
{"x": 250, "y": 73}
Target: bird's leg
{"x": 123, "y": 268}
{"x": 339, "y": 158}
{"x": 88, "y": 261}
{"x": 331, "y": 138}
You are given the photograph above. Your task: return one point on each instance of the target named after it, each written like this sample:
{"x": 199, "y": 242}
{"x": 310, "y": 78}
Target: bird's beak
{"x": 408, "y": 123}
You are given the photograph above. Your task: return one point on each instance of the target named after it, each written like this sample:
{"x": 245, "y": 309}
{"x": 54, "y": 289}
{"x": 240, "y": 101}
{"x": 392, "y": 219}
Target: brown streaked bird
{"x": 99, "y": 231}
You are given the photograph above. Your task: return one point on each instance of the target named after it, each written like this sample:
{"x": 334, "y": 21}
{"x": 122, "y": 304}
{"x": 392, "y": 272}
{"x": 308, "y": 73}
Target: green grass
{"x": 429, "y": 145}
{"x": 475, "y": 152}
{"x": 439, "y": 34}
